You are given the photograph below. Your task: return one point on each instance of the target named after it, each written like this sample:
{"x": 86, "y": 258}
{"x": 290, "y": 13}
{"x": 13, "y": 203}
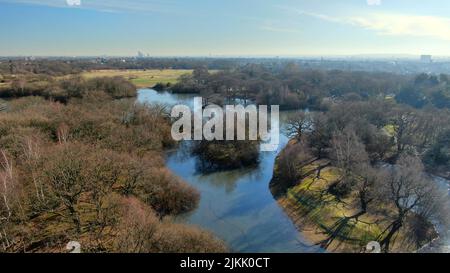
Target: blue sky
{"x": 224, "y": 27}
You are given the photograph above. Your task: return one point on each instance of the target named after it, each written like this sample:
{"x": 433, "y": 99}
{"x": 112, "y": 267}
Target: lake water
{"x": 237, "y": 206}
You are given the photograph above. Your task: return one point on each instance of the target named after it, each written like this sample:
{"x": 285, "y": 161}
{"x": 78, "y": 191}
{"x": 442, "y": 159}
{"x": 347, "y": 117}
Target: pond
{"x": 237, "y": 206}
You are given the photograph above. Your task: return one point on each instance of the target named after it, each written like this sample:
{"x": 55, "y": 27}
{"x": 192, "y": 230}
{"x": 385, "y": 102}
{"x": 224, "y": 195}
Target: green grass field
{"x": 141, "y": 78}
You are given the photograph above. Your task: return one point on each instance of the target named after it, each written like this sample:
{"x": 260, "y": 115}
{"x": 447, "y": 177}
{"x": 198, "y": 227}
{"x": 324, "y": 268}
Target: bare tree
{"x": 405, "y": 124}
{"x": 319, "y": 139}
{"x": 292, "y": 160}
{"x": 347, "y": 150}
{"x": 7, "y": 190}
{"x": 408, "y": 190}
{"x": 291, "y": 167}
{"x": 137, "y": 231}
{"x": 32, "y": 153}
{"x": 349, "y": 154}
{"x": 103, "y": 173}
{"x": 365, "y": 187}
{"x": 65, "y": 174}
{"x": 298, "y": 124}
{"x": 7, "y": 180}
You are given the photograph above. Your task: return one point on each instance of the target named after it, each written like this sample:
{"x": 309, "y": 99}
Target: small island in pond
{"x": 226, "y": 155}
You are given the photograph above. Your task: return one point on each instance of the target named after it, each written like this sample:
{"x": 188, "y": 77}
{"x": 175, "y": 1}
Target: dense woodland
{"x": 91, "y": 170}
{"x": 80, "y": 161}
{"x": 280, "y": 82}
{"x": 292, "y": 87}
{"x": 360, "y": 122}
{"x": 409, "y": 113}
{"x": 378, "y": 150}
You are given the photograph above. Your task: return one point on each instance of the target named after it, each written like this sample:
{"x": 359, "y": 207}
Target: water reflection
{"x": 154, "y": 97}
{"x": 236, "y": 205}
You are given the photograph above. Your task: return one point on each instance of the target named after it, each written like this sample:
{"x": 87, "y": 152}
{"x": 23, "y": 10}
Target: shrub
{"x": 116, "y": 87}
{"x": 75, "y": 163}
{"x": 140, "y": 231}
{"x": 167, "y": 194}
{"x": 178, "y": 238}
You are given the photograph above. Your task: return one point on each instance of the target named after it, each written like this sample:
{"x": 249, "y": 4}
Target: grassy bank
{"x": 323, "y": 215}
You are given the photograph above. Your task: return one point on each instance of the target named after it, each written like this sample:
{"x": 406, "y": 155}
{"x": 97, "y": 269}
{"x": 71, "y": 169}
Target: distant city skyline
{"x": 231, "y": 28}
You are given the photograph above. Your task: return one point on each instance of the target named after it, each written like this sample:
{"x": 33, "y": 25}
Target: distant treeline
{"x": 59, "y": 67}
{"x": 264, "y": 81}
{"x": 67, "y": 65}
{"x": 293, "y": 87}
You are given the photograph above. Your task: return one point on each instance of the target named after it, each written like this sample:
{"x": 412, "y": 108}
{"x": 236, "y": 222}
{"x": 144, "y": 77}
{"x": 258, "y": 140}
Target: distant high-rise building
{"x": 426, "y": 58}
{"x": 140, "y": 54}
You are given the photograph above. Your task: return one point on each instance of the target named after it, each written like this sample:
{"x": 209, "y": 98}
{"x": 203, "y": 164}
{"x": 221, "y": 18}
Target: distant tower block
{"x": 426, "y": 58}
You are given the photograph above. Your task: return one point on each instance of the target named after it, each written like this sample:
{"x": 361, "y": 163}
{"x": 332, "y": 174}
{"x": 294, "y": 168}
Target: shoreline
{"x": 315, "y": 217}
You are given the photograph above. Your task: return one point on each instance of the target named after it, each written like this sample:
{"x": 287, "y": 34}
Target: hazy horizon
{"x": 318, "y": 57}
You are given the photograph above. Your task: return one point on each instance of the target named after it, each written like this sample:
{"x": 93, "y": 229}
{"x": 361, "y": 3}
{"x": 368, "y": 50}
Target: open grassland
{"x": 141, "y": 78}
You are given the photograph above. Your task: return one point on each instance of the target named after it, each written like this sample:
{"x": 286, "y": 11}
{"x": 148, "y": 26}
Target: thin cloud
{"x": 422, "y": 26}
{"x": 374, "y": 2}
{"x": 73, "y": 2}
{"x": 272, "y": 28}
{"x": 395, "y": 24}
{"x": 105, "y": 5}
